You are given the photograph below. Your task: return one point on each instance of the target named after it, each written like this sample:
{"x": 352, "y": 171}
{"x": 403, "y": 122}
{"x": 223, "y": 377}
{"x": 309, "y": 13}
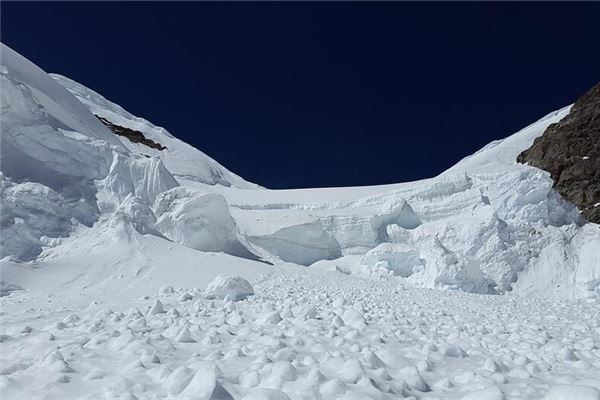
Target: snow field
{"x": 303, "y": 335}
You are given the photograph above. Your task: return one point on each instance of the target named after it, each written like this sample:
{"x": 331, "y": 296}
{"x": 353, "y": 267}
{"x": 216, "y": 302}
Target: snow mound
{"x": 227, "y": 287}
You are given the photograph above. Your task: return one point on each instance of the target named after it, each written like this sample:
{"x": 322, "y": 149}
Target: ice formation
{"x": 110, "y": 249}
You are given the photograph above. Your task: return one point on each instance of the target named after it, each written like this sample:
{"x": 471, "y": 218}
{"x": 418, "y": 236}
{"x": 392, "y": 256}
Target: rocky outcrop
{"x": 570, "y": 151}
{"x": 133, "y": 135}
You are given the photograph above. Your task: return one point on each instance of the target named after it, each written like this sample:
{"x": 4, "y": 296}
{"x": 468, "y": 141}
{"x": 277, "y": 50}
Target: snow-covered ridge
{"x": 186, "y": 163}
{"x": 486, "y": 225}
{"x": 60, "y": 165}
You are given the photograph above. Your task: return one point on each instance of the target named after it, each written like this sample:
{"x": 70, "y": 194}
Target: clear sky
{"x": 322, "y": 94}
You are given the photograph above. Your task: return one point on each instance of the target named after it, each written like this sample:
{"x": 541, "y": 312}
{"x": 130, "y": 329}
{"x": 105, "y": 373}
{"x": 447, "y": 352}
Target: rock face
{"x": 132, "y": 135}
{"x": 570, "y": 151}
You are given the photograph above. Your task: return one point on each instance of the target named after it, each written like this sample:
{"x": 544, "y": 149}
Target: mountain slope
{"x": 570, "y": 151}
{"x": 187, "y": 164}
{"x": 106, "y": 257}
{"x": 483, "y": 226}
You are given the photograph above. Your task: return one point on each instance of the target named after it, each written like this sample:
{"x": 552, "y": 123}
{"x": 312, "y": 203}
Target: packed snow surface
{"x": 316, "y": 335}
{"x": 137, "y": 273}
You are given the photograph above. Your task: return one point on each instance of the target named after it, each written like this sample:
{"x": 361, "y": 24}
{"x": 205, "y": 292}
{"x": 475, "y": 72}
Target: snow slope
{"x": 186, "y": 163}
{"x": 109, "y": 250}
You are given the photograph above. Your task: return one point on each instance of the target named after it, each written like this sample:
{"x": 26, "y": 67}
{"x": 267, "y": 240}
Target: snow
{"x": 60, "y": 166}
{"x": 567, "y": 392}
{"x": 48, "y": 94}
{"x": 489, "y": 393}
{"x": 395, "y": 340}
{"x": 400, "y": 258}
{"x": 197, "y": 220}
{"x": 187, "y": 164}
{"x": 503, "y": 153}
{"x": 229, "y": 288}
{"x": 129, "y": 272}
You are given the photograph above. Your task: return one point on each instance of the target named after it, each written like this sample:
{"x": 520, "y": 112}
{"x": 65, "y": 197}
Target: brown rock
{"x": 133, "y": 135}
{"x": 570, "y": 151}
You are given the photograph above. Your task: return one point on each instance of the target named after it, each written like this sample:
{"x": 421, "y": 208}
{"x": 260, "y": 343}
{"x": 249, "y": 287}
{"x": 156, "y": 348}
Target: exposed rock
{"x": 133, "y": 135}
{"x": 570, "y": 151}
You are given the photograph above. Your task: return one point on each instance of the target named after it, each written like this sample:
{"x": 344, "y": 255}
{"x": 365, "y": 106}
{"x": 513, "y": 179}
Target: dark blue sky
{"x": 314, "y": 94}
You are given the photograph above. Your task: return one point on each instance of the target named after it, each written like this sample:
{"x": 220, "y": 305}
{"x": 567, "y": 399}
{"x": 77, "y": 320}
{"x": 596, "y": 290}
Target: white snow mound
{"x": 227, "y": 287}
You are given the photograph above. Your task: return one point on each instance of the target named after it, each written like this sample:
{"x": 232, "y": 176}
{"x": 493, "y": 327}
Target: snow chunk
{"x": 266, "y": 394}
{"x": 157, "y": 308}
{"x": 195, "y": 219}
{"x": 570, "y": 392}
{"x": 402, "y": 259}
{"x": 354, "y": 319}
{"x": 185, "y": 336}
{"x": 489, "y": 393}
{"x": 204, "y": 384}
{"x": 233, "y": 288}
{"x": 178, "y": 380}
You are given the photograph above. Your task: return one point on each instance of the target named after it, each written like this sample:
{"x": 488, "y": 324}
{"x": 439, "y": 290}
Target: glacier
{"x": 488, "y": 215}
{"x": 335, "y": 280}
